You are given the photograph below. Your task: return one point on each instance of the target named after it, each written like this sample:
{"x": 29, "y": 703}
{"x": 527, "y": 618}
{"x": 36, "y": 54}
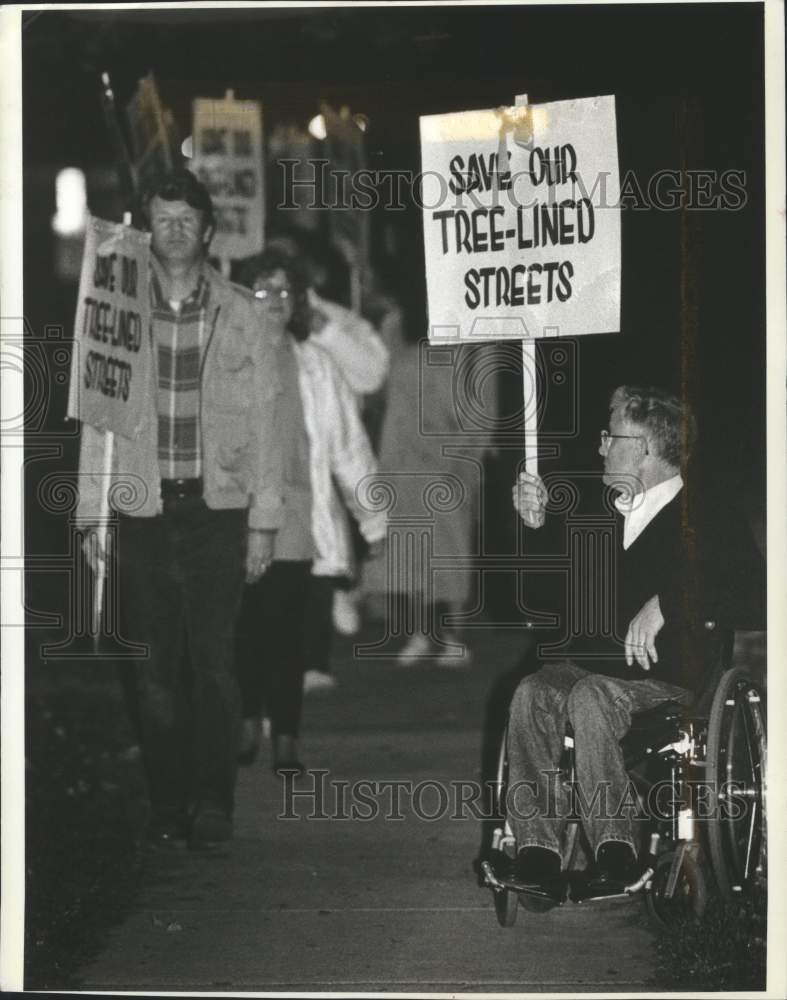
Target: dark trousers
{"x": 181, "y": 580}
{"x": 599, "y": 709}
{"x": 270, "y": 645}
{"x": 318, "y": 631}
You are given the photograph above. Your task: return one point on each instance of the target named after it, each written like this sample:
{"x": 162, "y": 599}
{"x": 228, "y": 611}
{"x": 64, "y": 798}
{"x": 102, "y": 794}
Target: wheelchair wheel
{"x": 736, "y": 769}
{"x": 506, "y": 903}
{"x": 536, "y": 904}
{"x": 506, "y": 900}
{"x": 690, "y": 896}
{"x": 501, "y": 778}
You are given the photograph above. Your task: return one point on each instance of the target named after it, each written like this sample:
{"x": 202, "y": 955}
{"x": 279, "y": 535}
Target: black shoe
{"x": 616, "y": 863}
{"x": 210, "y": 827}
{"x": 536, "y": 866}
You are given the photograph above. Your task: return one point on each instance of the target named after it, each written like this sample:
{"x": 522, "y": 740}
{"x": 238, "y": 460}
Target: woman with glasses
{"x": 323, "y": 442}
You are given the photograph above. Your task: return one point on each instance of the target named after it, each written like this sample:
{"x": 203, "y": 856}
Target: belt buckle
{"x": 180, "y": 489}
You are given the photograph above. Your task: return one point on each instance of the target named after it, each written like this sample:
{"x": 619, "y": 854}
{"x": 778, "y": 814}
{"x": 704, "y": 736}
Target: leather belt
{"x": 180, "y": 489}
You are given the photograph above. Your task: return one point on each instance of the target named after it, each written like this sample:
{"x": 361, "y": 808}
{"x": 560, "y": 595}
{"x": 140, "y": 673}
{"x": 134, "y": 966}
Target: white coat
{"x": 340, "y": 453}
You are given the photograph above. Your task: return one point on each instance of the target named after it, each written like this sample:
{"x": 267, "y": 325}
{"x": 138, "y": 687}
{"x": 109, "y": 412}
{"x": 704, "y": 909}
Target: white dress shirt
{"x": 638, "y": 511}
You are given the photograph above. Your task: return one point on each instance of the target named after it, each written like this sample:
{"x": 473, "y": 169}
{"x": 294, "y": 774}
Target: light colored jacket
{"x": 242, "y": 454}
{"x": 340, "y": 453}
{"x": 354, "y": 344}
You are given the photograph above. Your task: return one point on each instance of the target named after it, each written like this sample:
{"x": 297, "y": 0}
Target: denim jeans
{"x": 181, "y": 579}
{"x": 599, "y": 709}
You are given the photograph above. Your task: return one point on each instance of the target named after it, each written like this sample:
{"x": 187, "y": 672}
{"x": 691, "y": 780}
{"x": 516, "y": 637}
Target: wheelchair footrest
{"x": 553, "y": 893}
{"x": 585, "y": 890}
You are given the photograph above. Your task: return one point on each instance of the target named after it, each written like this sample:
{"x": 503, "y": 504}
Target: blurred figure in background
{"x": 421, "y": 420}
{"x": 324, "y": 441}
{"x": 363, "y": 360}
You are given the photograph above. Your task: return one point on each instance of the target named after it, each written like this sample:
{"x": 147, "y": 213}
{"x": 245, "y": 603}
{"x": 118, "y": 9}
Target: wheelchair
{"x": 709, "y": 830}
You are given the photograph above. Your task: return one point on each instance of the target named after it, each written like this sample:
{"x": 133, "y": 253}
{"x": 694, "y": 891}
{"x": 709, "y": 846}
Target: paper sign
{"x": 227, "y": 147}
{"x": 111, "y": 363}
{"x": 344, "y": 148}
{"x": 522, "y": 221}
{"x": 152, "y": 129}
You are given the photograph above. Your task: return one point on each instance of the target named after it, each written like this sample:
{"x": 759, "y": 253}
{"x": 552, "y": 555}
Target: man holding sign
{"x": 198, "y": 494}
{"x": 654, "y": 616}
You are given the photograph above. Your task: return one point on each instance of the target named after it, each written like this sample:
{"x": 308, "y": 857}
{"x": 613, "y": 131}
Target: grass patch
{"x": 725, "y": 951}
{"x": 84, "y": 820}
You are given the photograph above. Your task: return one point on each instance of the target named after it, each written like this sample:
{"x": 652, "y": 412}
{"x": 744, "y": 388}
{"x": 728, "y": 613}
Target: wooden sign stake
{"x": 529, "y": 391}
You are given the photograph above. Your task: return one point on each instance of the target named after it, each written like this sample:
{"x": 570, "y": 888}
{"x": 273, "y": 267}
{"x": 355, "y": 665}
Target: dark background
{"x": 690, "y": 94}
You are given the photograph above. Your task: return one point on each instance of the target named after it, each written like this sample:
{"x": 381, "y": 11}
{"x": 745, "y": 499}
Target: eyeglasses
{"x": 263, "y": 293}
{"x": 606, "y": 438}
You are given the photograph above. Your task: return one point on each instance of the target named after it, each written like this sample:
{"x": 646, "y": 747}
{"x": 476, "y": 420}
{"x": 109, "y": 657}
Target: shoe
{"x": 318, "y": 680}
{"x": 616, "y": 863}
{"x": 285, "y": 755}
{"x": 346, "y": 617}
{"x": 250, "y": 737}
{"x": 211, "y": 826}
{"x": 536, "y": 866}
{"x": 416, "y": 648}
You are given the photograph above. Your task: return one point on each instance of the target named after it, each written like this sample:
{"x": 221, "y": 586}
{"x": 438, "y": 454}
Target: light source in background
{"x": 71, "y": 203}
{"x": 317, "y": 127}
{"x": 318, "y": 130}
{"x": 187, "y": 147}
{"x": 68, "y": 223}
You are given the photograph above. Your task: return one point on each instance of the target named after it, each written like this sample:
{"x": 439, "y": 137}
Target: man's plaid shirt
{"x": 180, "y": 338}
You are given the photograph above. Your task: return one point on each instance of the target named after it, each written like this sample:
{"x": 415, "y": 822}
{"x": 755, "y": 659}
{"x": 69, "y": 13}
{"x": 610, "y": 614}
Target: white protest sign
{"x": 227, "y": 158}
{"x": 111, "y": 363}
{"x": 522, "y": 221}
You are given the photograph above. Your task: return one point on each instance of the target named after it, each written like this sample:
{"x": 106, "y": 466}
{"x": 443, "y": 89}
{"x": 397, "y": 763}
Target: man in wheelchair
{"x": 653, "y": 617}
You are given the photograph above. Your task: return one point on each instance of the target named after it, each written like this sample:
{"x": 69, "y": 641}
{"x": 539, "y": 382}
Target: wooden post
{"x": 103, "y": 538}
{"x": 529, "y": 380}
{"x": 161, "y": 126}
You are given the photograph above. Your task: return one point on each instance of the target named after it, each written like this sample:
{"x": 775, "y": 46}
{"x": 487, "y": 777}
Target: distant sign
{"x": 344, "y": 147}
{"x": 227, "y": 158}
{"x": 154, "y": 140}
{"x": 111, "y": 362}
{"x": 522, "y": 222}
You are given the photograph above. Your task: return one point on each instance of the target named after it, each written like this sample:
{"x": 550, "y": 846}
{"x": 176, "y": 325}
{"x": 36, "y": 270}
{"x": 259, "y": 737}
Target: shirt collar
{"x": 198, "y": 298}
{"x": 639, "y": 510}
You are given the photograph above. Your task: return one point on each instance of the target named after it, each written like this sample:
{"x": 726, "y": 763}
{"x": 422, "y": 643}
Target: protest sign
{"x": 522, "y": 222}
{"x": 154, "y": 140}
{"x": 228, "y": 159}
{"x": 111, "y": 363}
{"x": 344, "y": 147}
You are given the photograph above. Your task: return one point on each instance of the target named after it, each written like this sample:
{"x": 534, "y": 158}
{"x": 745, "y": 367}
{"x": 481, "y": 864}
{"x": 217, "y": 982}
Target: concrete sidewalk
{"x": 373, "y": 903}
